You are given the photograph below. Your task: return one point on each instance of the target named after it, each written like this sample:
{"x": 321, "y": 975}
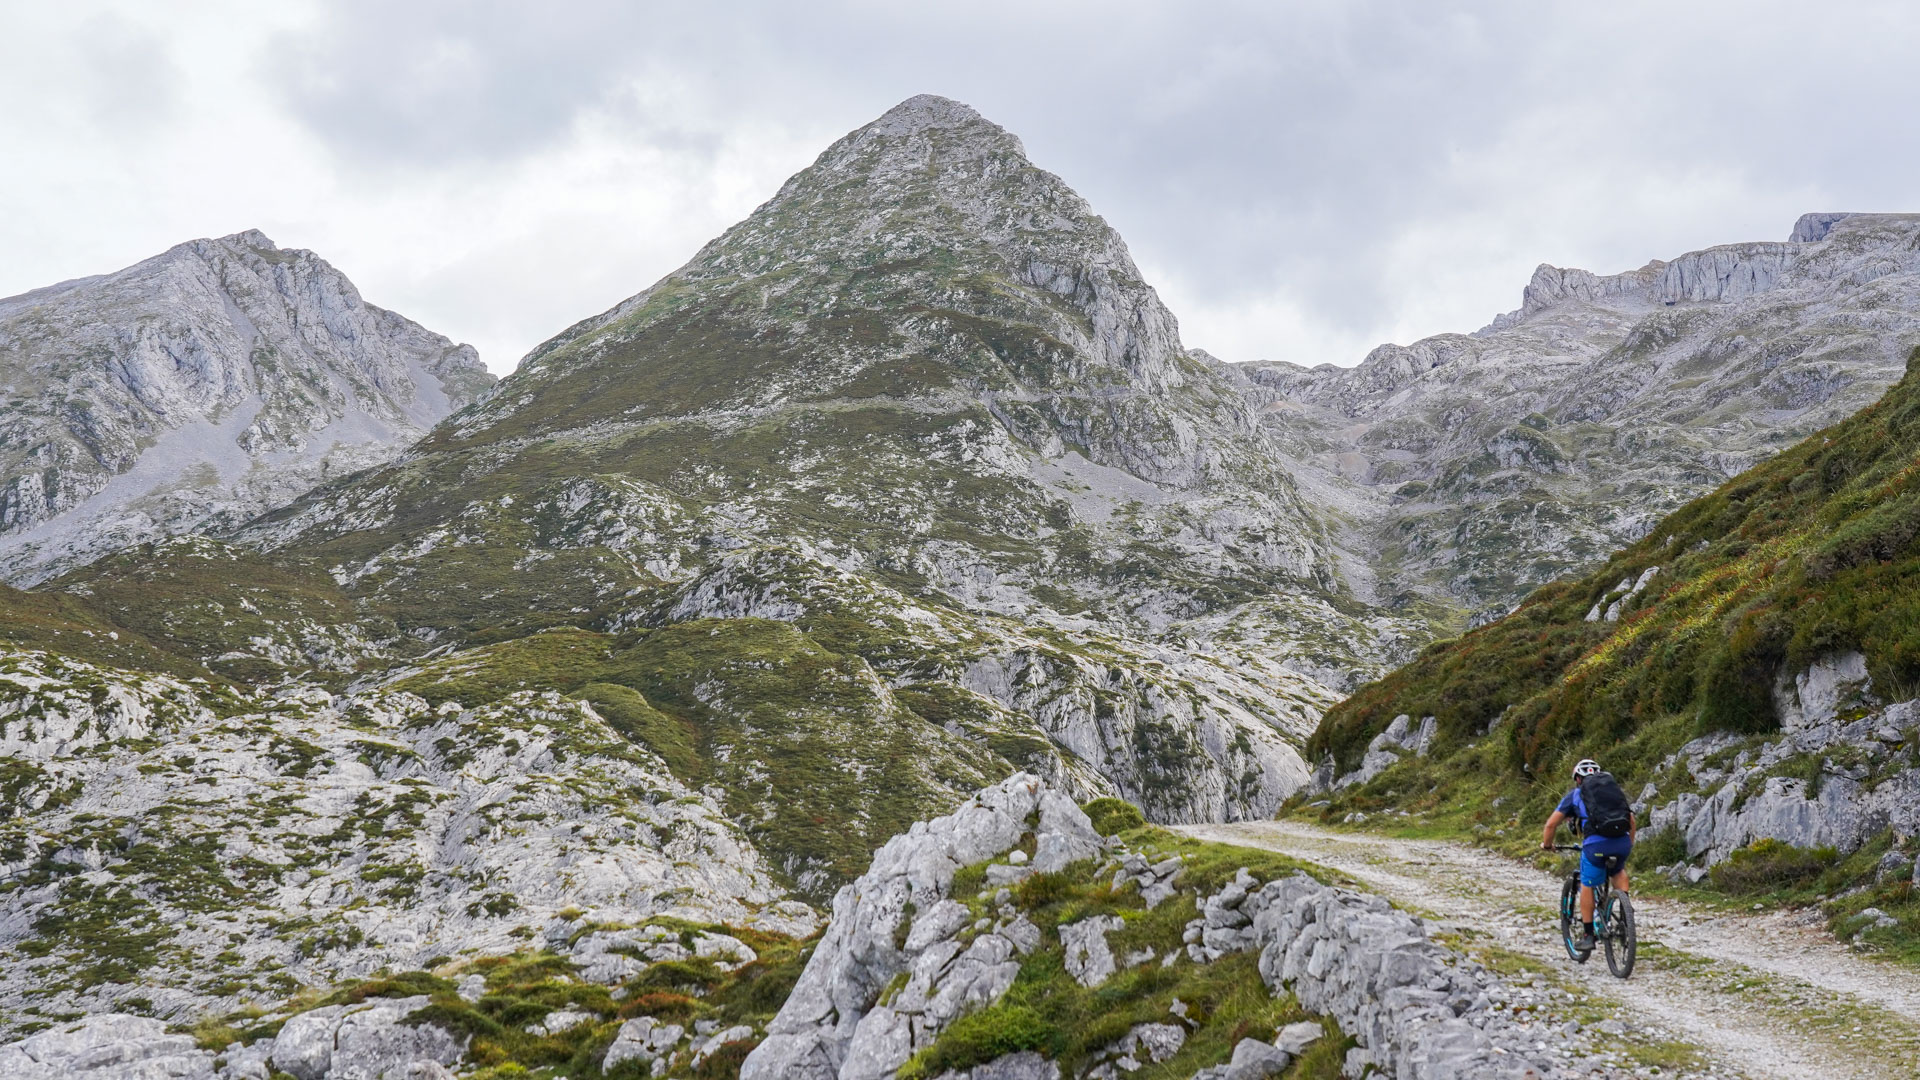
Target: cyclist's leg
{"x": 1591, "y": 875}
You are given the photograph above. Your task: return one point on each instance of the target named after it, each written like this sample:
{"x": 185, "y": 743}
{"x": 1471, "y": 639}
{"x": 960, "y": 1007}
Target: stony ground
{"x": 1756, "y": 996}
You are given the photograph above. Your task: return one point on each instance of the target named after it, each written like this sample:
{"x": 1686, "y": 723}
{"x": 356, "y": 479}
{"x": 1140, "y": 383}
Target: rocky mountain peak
{"x": 252, "y": 238}
{"x": 212, "y": 382}
{"x": 924, "y": 119}
{"x": 928, "y": 215}
{"x": 1814, "y": 227}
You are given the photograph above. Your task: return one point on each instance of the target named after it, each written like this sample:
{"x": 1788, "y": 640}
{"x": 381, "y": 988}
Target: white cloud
{"x": 1303, "y": 181}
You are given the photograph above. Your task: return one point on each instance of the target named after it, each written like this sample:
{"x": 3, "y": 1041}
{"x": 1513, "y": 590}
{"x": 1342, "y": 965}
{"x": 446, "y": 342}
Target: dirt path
{"x": 1761, "y": 996}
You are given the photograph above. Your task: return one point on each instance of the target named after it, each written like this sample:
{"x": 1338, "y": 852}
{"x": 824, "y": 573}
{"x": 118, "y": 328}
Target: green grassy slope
{"x": 1806, "y": 555}
{"x": 1810, "y": 554}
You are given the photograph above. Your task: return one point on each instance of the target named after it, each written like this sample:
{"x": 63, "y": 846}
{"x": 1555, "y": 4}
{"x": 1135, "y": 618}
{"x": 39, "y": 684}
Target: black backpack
{"x": 1607, "y": 811}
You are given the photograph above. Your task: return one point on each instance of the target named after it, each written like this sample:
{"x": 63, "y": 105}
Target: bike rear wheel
{"x": 1570, "y": 920}
{"x": 1623, "y": 939}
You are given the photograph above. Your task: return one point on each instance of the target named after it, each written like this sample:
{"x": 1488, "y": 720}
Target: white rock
{"x": 363, "y": 1042}
{"x": 109, "y": 1046}
{"x": 193, "y": 406}
{"x": 644, "y": 1039}
{"x": 1088, "y": 958}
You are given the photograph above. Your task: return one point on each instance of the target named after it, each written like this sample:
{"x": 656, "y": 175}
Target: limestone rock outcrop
{"x": 1839, "y": 775}
{"x": 385, "y": 830}
{"x": 832, "y": 1025}
{"x": 106, "y": 1046}
{"x": 897, "y": 966}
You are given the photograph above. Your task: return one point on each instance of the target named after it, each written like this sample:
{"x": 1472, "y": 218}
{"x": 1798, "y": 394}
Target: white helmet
{"x": 1586, "y": 768}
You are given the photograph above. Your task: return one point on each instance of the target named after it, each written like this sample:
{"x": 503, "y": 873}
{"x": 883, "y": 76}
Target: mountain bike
{"x": 1617, "y": 933}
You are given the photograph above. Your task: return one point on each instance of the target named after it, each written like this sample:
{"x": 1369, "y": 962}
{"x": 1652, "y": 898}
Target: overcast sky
{"x": 1302, "y": 181}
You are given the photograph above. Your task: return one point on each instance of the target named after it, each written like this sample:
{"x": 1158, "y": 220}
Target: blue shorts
{"x": 1591, "y": 872}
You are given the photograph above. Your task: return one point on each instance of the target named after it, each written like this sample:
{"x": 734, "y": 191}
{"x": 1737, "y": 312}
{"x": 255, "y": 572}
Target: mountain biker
{"x": 1595, "y": 794}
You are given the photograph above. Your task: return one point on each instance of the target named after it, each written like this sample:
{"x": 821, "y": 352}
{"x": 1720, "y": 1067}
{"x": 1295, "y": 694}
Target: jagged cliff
{"x": 197, "y": 390}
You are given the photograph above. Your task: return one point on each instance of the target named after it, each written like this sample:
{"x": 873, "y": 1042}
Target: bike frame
{"x": 1617, "y": 931}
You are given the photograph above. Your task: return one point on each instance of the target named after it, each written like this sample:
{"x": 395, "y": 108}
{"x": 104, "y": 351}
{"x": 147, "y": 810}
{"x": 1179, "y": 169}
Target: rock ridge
{"x": 196, "y": 390}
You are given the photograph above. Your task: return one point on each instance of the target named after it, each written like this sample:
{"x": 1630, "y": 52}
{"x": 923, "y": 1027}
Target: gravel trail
{"x": 1762, "y": 996}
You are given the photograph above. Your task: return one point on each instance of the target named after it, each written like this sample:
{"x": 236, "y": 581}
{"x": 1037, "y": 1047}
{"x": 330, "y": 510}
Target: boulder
{"x": 1089, "y": 960}
{"x": 1022, "y": 1066}
{"x": 111, "y": 1046}
{"x": 1820, "y": 693}
{"x": 369, "y": 1041}
{"x": 642, "y": 1039}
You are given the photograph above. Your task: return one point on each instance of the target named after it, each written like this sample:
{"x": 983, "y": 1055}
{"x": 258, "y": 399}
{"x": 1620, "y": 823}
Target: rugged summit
{"x": 921, "y": 391}
{"x": 964, "y": 326}
{"x": 199, "y": 389}
{"x": 1482, "y": 465}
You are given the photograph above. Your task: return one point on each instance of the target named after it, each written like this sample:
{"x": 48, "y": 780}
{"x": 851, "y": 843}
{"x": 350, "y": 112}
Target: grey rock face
{"x": 1252, "y": 1060}
{"x": 642, "y": 1039}
{"x": 109, "y": 1046}
{"x": 1418, "y": 1011}
{"x": 369, "y": 1041}
{"x": 1142, "y": 1045}
{"x": 1023, "y": 1066}
{"x": 1089, "y": 960}
{"x": 1817, "y": 695}
{"x": 1865, "y": 783}
{"x": 833, "y": 1025}
{"x": 396, "y": 831}
{"x": 1479, "y": 466}
{"x": 1814, "y": 227}
{"x": 197, "y": 389}
{"x": 1386, "y": 750}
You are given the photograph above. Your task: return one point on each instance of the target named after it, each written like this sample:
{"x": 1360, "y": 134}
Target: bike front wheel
{"x": 1570, "y": 920}
{"x": 1623, "y": 938}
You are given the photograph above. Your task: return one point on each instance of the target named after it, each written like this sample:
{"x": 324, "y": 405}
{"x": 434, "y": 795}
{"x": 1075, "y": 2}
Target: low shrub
{"x": 1111, "y": 816}
{"x": 1769, "y": 864}
{"x": 664, "y": 1005}
{"x": 1039, "y": 890}
{"x": 724, "y": 1063}
{"x": 980, "y": 1037}
{"x": 1659, "y": 848}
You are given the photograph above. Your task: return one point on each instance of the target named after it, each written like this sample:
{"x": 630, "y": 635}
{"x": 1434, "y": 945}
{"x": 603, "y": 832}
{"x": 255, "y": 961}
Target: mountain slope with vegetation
{"x": 196, "y": 390}
{"x": 904, "y": 484}
{"x": 1748, "y": 668}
